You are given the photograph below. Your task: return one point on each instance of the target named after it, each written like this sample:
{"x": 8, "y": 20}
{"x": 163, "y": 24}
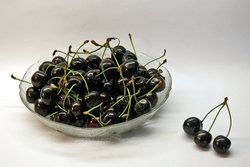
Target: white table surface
{"x": 208, "y": 57}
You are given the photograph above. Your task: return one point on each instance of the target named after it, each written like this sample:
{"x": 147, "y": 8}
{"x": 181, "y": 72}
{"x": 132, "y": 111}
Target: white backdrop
{"x": 208, "y": 50}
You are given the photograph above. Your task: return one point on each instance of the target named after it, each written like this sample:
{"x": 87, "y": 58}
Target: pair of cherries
{"x": 193, "y": 126}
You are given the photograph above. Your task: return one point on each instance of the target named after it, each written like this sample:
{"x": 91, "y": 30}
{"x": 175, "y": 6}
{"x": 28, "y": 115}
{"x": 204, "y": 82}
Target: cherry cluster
{"x": 193, "y": 126}
{"x": 84, "y": 89}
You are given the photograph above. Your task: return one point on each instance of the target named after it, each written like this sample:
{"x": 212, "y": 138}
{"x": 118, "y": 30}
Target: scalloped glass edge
{"x": 115, "y": 129}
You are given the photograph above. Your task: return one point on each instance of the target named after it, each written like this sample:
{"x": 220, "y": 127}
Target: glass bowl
{"x": 114, "y": 129}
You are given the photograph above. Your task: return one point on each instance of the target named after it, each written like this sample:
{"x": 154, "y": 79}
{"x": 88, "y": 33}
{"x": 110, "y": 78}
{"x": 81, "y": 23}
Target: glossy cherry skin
{"x": 42, "y": 108}
{"x": 153, "y": 98}
{"x": 123, "y": 118}
{"x": 93, "y": 61}
{"x": 92, "y": 80}
{"x": 107, "y": 64}
{"x": 141, "y": 84}
{"x": 120, "y": 85}
{"x": 39, "y": 79}
{"x": 60, "y": 100}
{"x": 92, "y": 99}
{"x": 78, "y": 63}
{"x": 153, "y": 71}
{"x": 108, "y": 86}
{"x": 156, "y": 80}
{"x": 128, "y": 55}
{"x": 77, "y": 108}
{"x": 77, "y": 82}
{"x": 46, "y": 67}
{"x": 142, "y": 71}
{"x": 48, "y": 95}
{"x": 32, "y": 94}
{"x": 130, "y": 67}
{"x": 93, "y": 123}
{"x": 221, "y": 144}
{"x": 58, "y": 59}
{"x": 118, "y": 52}
{"x": 192, "y": 125}
{"x": 143, "y": 106}
{"x": 202, "y": 138}
{"x": 111, "y": 116}
{"x": 63, "y": 117}
{"x": 121, "y": 105}
{"x": 57, "y": 71}
{"x": 105, "y": 98}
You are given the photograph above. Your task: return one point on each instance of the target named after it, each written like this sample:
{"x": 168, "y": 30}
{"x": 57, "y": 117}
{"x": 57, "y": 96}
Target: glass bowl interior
{"x": 103, "y": 131}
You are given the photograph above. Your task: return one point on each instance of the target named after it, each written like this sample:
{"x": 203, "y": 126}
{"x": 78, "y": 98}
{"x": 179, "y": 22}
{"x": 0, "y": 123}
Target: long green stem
{"x": 95, "y": 119}
{"x": 211, "y": 111}
{"x": 216, "y": 117}
{"x": 231, "y": 122}
{"x": 87, "y": 112}
{"x": 129, "y": 105}
{"x": 131, "y": 41}
{"x": 156, "y": 58}
{"x": 102, "y": 63}
{"x": 67, "y": 95}
{"x": 155, "y": 87}
{"x": 15, "y": 78}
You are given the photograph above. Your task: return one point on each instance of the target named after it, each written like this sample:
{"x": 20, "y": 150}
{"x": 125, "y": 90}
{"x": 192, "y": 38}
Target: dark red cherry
{"x": 93, "y": 123}
{"x": 92, "y": 99}
{"x": 76, "y": 108}
{"x": 156, "y": 80}
{"x": 77, "y": 82}
{"x": 46, "y": 67}
{"x": 221, "y": 144}
{"x": 63, "y": 117}
{"x": 48, "y": 95}
{"x": 120, "y": 84}
{"x": 121, "y": 105}
{"x": 78, "y": 63}
{"x": 143, "y": 106}
{"x": 32, "y": 94}
{"x": 142, "y": 71}
{"x": 118, "y": 52}
{"x": 130, "y": 67}
{"x": 192, "y": 125}
{"x": 108, "y": 86}
{"x": 105, "y": 98}
{"x": 42, "y": 108}
{"x": 92, "y": 80}
{"x": 58, "y": 59}
{"x": 110, "y": 116}
{"x": 141, "y": 83}
{"x": 153, "y": 98}
{"x": 93, "y": 61}
{"x": 57, "y": 71}
{"x": 60, "y": 100}
{"x": 123, "y": 118}
{"x": 39, "y": 79}
{"x": 202, "y": 138}
{"x": 107, "y": 64}
{"x": 128, "y": 55}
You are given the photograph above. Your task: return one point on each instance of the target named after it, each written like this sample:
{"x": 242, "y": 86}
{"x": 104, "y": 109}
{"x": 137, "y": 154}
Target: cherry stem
{"x": 141, "y": 77}
{"x": 133, "y": 84}
{"x": 211, "y": 111}
{"x": 85, "y": 42}
{"x": 216, "y": 117}
{"x": 95, "y": 118}
{"x": 164, "y": 61}
{"x": 231, "y": 122}
{"x": 150, "y": 78}
{"x": 87, "y": 112}
{"x": 110, "y": 68}
{"x": 129, "y": 105}
{"x": 15, "y": 78}
{"x": 67, "y": 95}
{"x": 102, "y": 63}
{"x": 84, "y": 80}
{"x": 51, "y": 114}
{"x": 131, "y": 41}
{"x": 62, "y": 109}
{"x": 120, "y": 69}
{"x": 156, "y": 58}
{"x": 155, "y": 87}
{"x": 51, "y": 65}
